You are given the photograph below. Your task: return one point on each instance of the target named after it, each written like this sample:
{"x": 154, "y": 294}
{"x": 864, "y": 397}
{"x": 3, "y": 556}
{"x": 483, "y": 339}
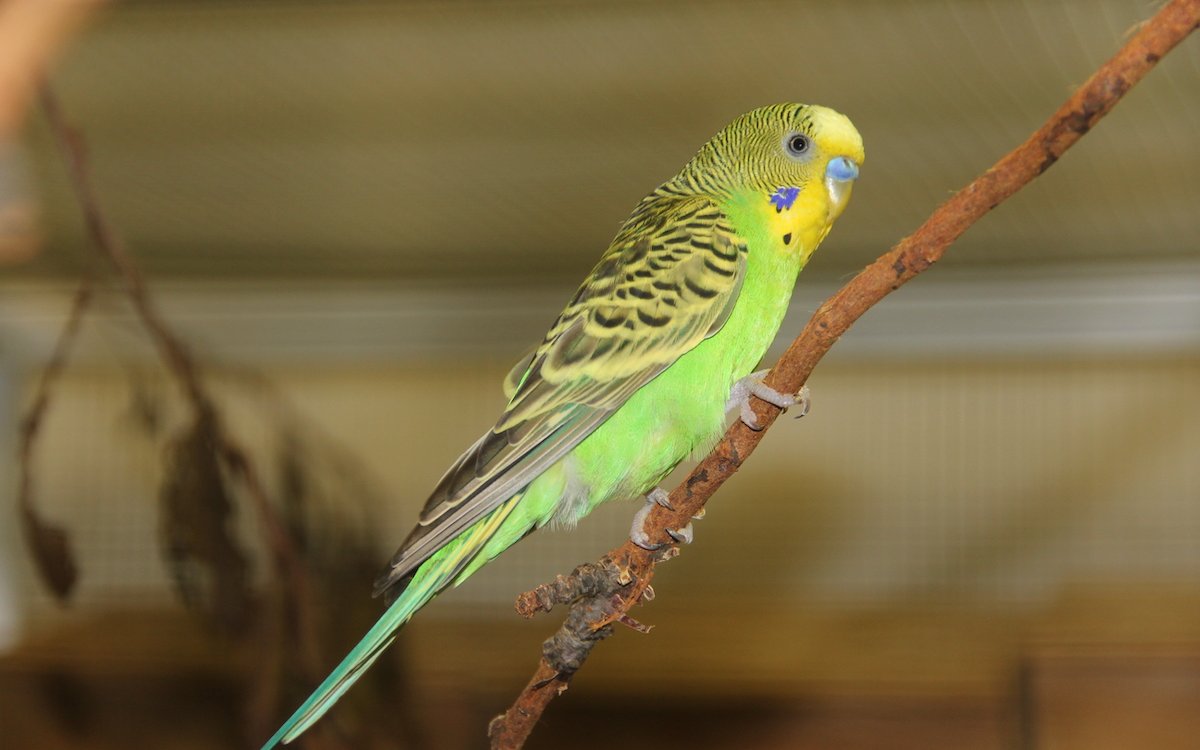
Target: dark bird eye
{"x": 798, "y": 144}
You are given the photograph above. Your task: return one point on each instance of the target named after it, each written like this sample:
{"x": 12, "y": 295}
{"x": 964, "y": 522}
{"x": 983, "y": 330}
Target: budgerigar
{"x": 640, "y": 369}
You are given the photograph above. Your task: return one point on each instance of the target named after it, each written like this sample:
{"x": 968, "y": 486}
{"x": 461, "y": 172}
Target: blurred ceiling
{"x": 486, "y": 141}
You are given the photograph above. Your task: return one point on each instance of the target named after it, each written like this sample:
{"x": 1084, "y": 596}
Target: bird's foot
{"x": 753, "y": 385}
{"x": 682, "y": 536}
{"x": 637, "y": 532}
{"x": 659, "y": 496}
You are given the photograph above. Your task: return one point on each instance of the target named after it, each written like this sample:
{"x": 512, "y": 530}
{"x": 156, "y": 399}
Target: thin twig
{"x": 49, "y": 543}
{"x": 105, "y": 239}
{"x": 288, "y": 560}
{"x": 909, "y": 257}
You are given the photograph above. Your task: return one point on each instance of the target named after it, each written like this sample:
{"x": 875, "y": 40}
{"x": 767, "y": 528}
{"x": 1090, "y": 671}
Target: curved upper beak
{"x": 840, "y": 174}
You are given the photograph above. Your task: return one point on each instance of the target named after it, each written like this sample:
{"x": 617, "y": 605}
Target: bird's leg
{"x": 753, "y": 385}
{"x": 637, "y": 532}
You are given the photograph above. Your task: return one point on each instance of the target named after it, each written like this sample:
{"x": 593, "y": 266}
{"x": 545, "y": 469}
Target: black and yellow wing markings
{"x": 669, "y": 280}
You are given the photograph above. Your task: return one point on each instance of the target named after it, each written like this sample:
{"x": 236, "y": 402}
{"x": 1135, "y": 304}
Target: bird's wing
{"x": 514, "y": 377}
{"x": 668, "y": 281}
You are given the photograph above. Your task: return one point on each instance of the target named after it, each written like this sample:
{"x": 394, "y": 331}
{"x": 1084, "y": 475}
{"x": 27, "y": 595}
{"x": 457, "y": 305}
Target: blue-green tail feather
{"x": 444, "y": 567}
{"x": 360, "y": 658}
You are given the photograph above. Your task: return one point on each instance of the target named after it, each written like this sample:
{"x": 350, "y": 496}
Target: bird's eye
{"x": 798, "y": 144}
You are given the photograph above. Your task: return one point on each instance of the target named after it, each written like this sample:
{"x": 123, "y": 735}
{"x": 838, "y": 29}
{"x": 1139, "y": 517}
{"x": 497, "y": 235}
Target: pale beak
{"x": 840, "y": 174}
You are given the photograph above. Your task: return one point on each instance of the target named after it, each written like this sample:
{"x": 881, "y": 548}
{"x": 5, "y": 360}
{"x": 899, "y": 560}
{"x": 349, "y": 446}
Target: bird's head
{"x": 785, "y": 152}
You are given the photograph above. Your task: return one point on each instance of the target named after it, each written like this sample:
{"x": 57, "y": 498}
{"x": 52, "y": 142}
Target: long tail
{"x": 438, "y": 572}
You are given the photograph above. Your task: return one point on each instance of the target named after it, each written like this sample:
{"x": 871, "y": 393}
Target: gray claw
{"x": 803, "y": 400}
{"x": 682, "y": 536}
{"x": 637, "y": 533}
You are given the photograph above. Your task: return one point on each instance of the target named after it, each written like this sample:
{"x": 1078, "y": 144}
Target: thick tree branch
{"x": 630, "y": 567}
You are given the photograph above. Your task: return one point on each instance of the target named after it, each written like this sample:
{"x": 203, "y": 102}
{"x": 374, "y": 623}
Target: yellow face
{"x": 794, "y": 163}
{"x": 803, "y": 161}
{"x": 801, "y": 227}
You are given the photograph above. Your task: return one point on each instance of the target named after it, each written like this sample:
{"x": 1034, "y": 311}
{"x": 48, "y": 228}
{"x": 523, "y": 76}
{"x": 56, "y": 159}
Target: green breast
{"x": 682, "y": 411}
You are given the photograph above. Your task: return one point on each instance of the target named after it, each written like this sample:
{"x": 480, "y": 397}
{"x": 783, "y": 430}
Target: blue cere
{"x": 842, "y": 169}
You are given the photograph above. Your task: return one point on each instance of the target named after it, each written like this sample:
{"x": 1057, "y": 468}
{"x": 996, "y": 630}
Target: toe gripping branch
{"x": 754, "y": 385}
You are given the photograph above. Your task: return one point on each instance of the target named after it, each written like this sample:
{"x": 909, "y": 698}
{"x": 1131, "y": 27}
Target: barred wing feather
{"x": 669, "y": 280}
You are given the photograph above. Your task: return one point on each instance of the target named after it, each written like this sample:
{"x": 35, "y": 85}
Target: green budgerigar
{"x": 641, "y": 368}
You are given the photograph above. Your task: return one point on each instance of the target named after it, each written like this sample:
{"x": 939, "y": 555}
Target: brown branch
{"x": 106, "y": 241}
{"x": 49, "y": 543}
{"x": 289, "y": 563}
{"x": 633, "y": 566}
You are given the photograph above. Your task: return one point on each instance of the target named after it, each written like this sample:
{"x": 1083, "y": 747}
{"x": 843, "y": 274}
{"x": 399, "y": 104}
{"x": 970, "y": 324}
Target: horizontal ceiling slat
{"x": 486, "y": 139}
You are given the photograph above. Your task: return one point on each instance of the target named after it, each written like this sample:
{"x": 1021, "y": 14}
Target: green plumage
{"x": 635, "y": 374}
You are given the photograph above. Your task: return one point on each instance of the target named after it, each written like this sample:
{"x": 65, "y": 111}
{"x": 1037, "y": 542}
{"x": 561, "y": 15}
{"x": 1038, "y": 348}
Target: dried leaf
{"x": 295, "y": 487}
{"x": 210, "y": 570}
{"x": 145, "y": 408}
{"x": 51, "y": 548}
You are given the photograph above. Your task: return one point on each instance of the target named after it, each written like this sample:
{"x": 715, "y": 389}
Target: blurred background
{"x": 359, "y": 215}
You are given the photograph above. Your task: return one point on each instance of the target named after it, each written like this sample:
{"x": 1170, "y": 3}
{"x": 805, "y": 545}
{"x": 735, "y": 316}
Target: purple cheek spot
{"x": 784, "y": 197}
